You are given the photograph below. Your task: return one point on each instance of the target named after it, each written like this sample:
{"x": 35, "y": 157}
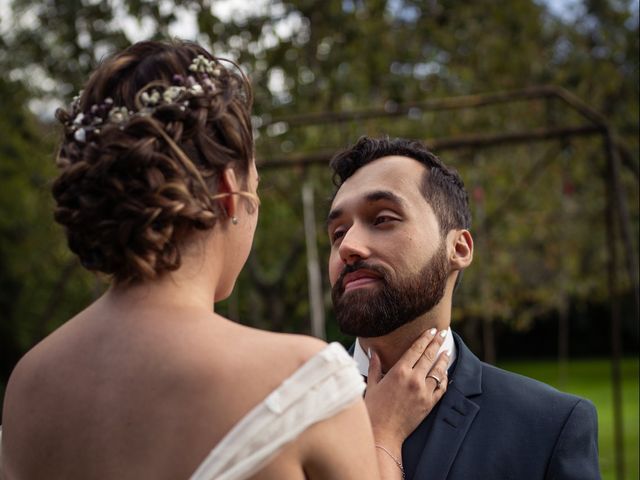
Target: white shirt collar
{"x": 361, "y": 358}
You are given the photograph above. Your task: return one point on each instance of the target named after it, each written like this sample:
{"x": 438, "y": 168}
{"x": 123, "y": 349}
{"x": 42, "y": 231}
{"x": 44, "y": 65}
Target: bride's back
{"x": 142, "y": 396}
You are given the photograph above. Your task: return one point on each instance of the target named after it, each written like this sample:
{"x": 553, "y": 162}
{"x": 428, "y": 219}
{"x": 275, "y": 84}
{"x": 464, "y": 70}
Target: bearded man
{"x": 399, "y": 230}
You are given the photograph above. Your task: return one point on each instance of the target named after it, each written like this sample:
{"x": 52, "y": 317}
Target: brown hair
{"x": 442, "y": 186}
{"x": 131, "y": 193}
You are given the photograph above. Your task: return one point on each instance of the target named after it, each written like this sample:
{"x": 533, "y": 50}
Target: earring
{"x": 234, "y": 220}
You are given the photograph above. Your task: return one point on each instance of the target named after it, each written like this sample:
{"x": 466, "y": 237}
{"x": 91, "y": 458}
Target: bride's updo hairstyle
{"x": 143, "y": 149}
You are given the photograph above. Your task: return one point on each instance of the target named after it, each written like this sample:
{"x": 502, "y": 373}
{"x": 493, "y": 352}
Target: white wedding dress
{"x": 326, "y": 384}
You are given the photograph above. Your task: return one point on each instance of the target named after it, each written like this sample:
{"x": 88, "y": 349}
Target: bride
{"x": 158, "y": 190}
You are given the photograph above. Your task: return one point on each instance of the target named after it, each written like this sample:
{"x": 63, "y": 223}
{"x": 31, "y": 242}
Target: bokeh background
{"x": 542, "y": 293}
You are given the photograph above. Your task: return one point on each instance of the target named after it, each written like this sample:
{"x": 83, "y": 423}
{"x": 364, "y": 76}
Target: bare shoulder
{"x": 284, "y": 350}
{"x": 21, "y": 376}
{"x": 31, "y": 370}
{"x": 28, "y": 396}
{"x": 302, "y": 346}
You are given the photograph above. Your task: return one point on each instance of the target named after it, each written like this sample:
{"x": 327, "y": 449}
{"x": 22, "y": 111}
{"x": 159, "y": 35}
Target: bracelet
{"x": 396, "y": 460}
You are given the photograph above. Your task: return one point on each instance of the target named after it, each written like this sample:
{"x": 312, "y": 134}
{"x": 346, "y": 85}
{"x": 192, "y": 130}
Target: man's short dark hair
{"x": 442, "y": 187}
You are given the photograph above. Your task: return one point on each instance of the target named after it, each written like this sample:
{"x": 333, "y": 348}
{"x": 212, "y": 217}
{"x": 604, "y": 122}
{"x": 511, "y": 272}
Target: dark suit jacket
{"x": 493, "y": 425}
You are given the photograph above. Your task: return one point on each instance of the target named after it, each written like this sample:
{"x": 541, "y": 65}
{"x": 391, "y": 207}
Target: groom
{"x": 399, "y": 231}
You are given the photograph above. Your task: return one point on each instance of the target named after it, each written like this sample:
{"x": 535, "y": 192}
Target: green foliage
{"x": 36, "y": 271}
{"x": 538, "y": 208}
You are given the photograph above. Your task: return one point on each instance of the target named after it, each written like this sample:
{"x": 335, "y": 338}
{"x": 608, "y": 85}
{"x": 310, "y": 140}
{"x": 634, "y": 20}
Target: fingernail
{"x": 432, "y": 331}
{"x": 369, "y": 353}
{"x": 446, "y": 354}
{"x": 443, "y": 333}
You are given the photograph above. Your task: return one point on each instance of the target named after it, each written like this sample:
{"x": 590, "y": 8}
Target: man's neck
{"x": 392, "y": 346}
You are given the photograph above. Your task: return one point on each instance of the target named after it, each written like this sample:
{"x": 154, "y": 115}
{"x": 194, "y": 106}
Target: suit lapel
{"x": 452, "y": 422}
{"x": 453, "y": 417}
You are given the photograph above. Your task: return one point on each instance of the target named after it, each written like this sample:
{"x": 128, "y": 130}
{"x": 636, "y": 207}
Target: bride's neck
{"x": 192, "y": 285}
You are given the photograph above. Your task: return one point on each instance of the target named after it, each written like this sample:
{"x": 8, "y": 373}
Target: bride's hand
{"x": 398, "y": 401}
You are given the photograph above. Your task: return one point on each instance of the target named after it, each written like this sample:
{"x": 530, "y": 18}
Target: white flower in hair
{"x": 204, "y": 65}
{"x": 196, "y": 89}
{"x": 118, "y": 115}
{"x": 150, "y": 100}
{"x": 86, "y": 125}
{"x": 171, "y": 93}
{"x": 80, "y": 135}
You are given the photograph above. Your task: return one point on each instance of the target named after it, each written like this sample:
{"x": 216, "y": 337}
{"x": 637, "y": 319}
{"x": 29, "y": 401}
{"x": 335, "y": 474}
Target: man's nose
{"x": 354, "y": 245}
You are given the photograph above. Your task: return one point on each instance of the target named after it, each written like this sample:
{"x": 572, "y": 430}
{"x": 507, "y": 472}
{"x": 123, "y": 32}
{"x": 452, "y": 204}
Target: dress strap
{"x": 326, "y": 384}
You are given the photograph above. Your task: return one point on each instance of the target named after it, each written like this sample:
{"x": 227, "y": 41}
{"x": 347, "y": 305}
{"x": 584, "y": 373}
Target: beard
{"x": 377, "y": 311}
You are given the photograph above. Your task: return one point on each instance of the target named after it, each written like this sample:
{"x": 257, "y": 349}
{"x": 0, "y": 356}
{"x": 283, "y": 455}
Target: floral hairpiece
{"x": 202, "y": 82}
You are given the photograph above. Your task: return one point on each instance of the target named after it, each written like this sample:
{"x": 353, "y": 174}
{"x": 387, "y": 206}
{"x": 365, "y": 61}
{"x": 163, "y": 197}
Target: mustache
{"x": 359, "y": 265}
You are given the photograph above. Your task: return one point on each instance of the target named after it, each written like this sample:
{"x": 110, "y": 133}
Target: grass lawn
{"x": 592, "y": 379}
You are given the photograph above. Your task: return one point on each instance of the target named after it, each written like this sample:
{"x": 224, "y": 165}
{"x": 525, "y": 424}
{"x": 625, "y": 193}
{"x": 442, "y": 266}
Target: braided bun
{"x": 131, "y": 191}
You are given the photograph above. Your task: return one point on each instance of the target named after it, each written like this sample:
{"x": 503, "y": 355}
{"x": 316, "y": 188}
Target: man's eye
{"x": 338, "y": 234}
{"x": 383, "y": 219}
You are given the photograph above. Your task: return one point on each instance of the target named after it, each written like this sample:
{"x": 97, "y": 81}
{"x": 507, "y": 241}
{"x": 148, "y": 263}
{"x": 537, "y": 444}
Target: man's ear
{"x": 462, "y": 251}
{"x": 228, "y": 184}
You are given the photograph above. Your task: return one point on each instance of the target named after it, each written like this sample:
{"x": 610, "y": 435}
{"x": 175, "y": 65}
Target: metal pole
{"x": 313, "y": 263}
{"x": 622, "y": 211}
{"x": 616, "y": 344}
